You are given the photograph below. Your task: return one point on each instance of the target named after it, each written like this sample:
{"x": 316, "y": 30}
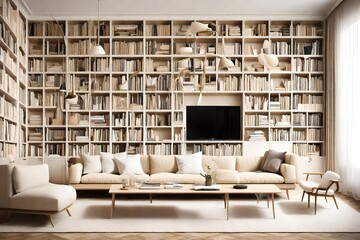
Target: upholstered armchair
{"x": 26, "y": 189}
{"x": 323, "y": 188}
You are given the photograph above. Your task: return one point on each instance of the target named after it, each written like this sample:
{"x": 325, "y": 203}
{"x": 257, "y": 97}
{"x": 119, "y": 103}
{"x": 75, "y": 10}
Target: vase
{"x": 208, "y": 181}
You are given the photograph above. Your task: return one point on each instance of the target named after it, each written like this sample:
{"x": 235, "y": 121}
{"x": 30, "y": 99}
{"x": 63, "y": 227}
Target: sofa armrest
{"x": 75, "y": 173}
{"x": 288, "y": 172}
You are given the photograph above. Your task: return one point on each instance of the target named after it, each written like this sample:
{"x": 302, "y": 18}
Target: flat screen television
{"x": 213, "y": 123}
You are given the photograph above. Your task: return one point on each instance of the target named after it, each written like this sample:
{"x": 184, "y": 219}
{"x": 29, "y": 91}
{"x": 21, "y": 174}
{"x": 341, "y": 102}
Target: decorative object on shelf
{"x": 267, "y": 59}
{"x": 196, "y": 27}
{"x": 98, "y": 49}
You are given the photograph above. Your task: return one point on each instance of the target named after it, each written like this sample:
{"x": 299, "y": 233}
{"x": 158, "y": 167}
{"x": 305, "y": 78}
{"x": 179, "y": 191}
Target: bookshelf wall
{"x": 12, "y": 82}
{"x": 129, "y": 101}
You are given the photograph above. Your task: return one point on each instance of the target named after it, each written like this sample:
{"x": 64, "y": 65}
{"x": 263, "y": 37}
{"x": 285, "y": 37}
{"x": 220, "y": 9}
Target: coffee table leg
{"x": 273, "y": 205}
{"x": 268, "y": 199}
{"x": 112, "y": 205}
{"x": 227, "y": 206}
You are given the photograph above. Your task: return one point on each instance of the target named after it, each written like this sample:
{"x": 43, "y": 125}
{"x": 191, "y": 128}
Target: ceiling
{"x": 178, "y": 9}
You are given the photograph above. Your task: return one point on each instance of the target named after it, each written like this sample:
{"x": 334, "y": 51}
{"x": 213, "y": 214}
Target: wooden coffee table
{"x": 226, "y": 190}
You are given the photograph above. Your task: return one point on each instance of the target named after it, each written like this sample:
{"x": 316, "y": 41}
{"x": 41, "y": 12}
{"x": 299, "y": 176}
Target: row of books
{"x": 127, "y": 48}
{"x": 219, "y": 149}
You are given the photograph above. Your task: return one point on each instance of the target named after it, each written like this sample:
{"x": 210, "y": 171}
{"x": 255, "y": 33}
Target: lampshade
{"x": 268, "y": 60}
{"x": 225, "y": 63}
{"x": 97, "y": 50}
{"x": 72, "y": 98}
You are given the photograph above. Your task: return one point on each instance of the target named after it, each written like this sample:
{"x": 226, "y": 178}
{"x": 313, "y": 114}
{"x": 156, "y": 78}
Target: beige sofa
{"x": 163, "y": 169}
{"x": 26, "y": 189}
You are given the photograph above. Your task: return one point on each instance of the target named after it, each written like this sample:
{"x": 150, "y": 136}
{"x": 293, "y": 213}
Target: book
{"x": 207, "y": 188}
{"x": 149, "y": 185}
{"x": 173, "y": 186}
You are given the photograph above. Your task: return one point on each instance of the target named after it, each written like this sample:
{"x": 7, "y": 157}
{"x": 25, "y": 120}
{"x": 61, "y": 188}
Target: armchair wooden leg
{"x": 225, "y": 201}
{"x": 335, "y": 201}
{"x": 303, "y": 196}
{"x": 50, "y": 220}
{"x": 287, "y": 194}
{"x": 67, "y": 210}
{"x": 315, "y": 202}
{"x": 326, "y": 199}
{"x": 308, "y": 200}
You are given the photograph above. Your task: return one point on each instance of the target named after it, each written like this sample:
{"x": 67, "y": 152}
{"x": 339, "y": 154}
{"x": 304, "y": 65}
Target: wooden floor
{"x": 176, "y": 236}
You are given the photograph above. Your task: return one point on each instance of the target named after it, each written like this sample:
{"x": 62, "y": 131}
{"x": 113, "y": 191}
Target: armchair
{"x": 26, "y": 189}
{"x": 323, "y": 188}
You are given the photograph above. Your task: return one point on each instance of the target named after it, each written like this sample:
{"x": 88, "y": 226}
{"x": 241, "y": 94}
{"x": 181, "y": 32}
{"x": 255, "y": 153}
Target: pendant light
{"x": 98, "y": 49}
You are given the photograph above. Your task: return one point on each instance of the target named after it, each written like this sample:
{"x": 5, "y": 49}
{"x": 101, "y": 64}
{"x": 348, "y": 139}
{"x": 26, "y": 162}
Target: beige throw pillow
{"x": 129, "y": 165}
{"x": 190, "y": 164}
{"x": 107, "y": 161}
{"x": 92, "y": 163}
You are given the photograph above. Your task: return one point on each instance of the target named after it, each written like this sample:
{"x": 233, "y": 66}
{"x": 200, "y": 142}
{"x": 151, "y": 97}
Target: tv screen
{"x": 213, "y": 122}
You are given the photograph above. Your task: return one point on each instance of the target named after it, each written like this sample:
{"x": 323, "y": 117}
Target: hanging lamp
{"x": 98, "y": 49}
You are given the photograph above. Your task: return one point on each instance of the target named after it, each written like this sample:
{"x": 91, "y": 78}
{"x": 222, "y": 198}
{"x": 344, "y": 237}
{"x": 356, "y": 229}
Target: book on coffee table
{"x": 207, "y": 188}
{"x": 150, "y": 186}
{"x": 173, "y": 186}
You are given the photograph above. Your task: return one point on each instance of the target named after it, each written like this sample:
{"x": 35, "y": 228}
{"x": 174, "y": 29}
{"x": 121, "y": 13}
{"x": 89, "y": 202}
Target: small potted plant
{"x": 208, "y": 175}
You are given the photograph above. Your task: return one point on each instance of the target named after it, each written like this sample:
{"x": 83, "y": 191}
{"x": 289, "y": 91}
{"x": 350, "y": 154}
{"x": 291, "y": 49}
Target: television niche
{"x": 213, "y": 123}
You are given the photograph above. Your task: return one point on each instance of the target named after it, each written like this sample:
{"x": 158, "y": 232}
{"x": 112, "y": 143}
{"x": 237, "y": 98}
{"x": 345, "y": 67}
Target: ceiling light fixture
{"x": 98, "y": 49}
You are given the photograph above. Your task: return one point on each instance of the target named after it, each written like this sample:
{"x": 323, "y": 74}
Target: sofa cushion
{"x": 272, "y": 161}
{"x": 129, "y": 165}
{"x": 107, "y": 161}
{"x": 92, "y": 163}
{"x": 189, "y": 164}
{"x": 30, "y": 176}
{"x": 105, "y": 178}
{"x": 177, "y": 178}
{"x": 248, "y": 163}
{"x": 48, "y": 197}
{"x": 260, "y": 177}
{"x": 161, "y": 163}
{"x": 226, "y": 176}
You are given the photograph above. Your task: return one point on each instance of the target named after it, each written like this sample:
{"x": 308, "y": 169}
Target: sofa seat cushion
{"x": 260, "y": 177}
{"x": 226, "y": 176}
{"x": 48, "y": 197}
{"x": 107, "y": 178}
{"x": 177, "y": 178}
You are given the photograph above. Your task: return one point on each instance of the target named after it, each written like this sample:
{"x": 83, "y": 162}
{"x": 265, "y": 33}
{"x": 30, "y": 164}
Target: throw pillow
{"x": 272, "y": 161}
{"x": 92, "y": 163}
{"x": 190, "y": 164}
{"x": 107, "y": 161}
{"x": 129, "y": 165}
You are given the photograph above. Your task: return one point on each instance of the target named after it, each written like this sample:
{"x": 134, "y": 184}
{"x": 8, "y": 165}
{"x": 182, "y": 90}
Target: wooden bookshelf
{"x": 129, "y": 101}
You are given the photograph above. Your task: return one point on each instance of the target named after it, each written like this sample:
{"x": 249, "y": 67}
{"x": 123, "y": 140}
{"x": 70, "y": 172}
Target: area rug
{"x": 191, "y": 215}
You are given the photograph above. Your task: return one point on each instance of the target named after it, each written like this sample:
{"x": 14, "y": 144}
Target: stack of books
{"x": 258, "y": 135}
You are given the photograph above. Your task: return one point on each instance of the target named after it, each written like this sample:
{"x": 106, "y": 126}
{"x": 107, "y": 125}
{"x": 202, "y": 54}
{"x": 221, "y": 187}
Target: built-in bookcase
{"x": 13, "y": 76}
{"x": 129, "y": 100}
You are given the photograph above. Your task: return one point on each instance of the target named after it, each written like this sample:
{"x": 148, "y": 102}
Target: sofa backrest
{"x": 6, "y": 185}
{"x": 162, "y": 163}
{"x": 219, "y": 162}
{"x": 145, "y": 163}
{"x": 30, "y": 176}
{"x": 248, "y": 163}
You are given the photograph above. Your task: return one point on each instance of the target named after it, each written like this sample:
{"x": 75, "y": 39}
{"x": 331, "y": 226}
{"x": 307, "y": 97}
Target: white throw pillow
{"x": 92, "y": 163}
{"x": 129, "y": 165}
{"x": 107, "y": 161}
{"x": 190, "y": 164}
